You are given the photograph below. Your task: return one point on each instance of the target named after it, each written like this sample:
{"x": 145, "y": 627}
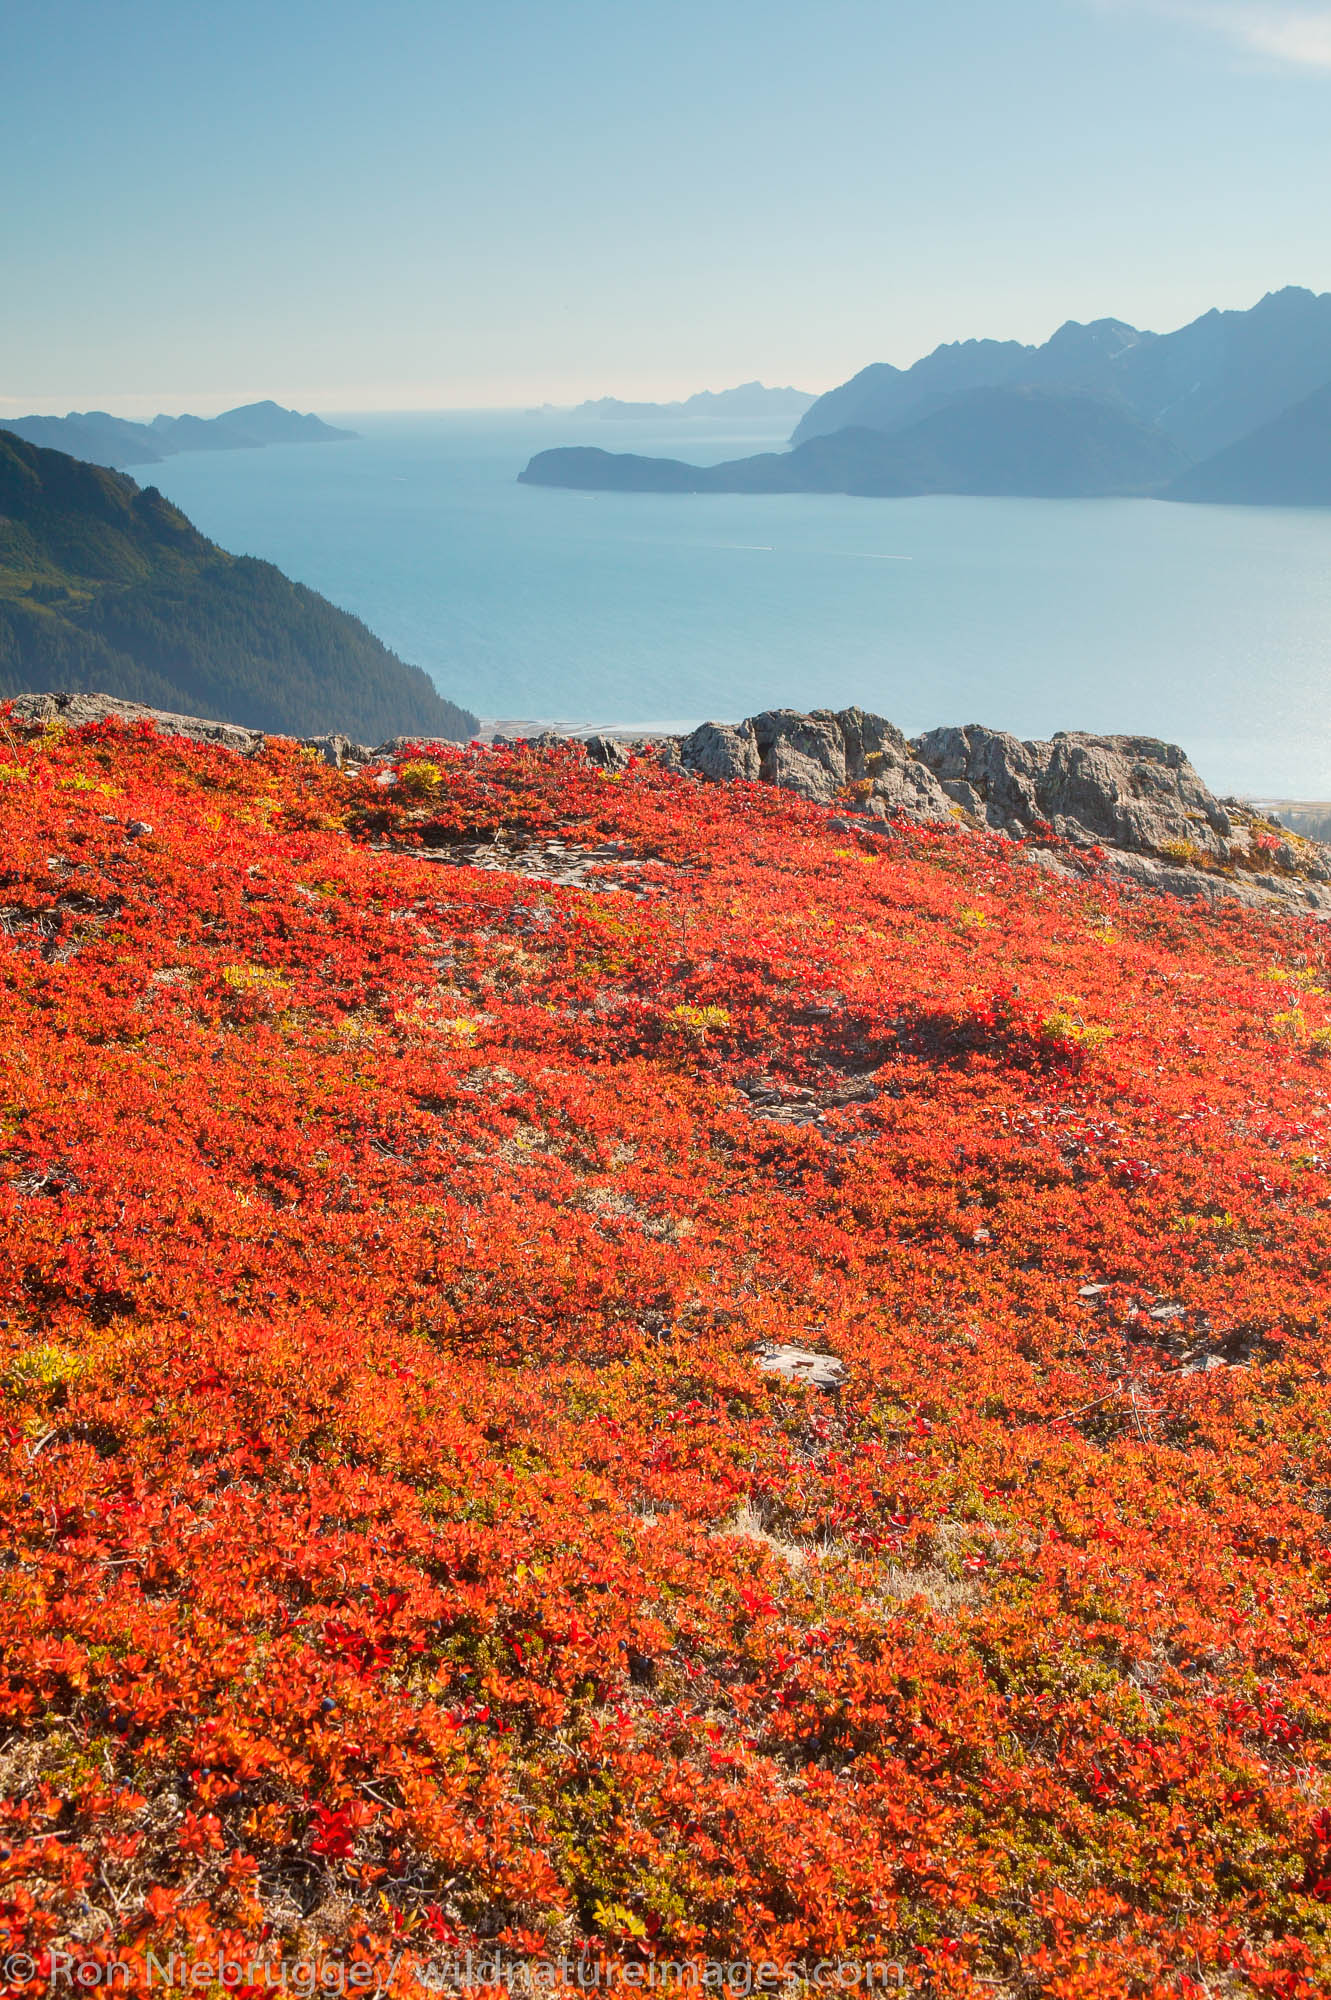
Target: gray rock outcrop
{"x": 817, "y": 756}
{"x": 1126, "y": 791}
{"x": 335, "y": 749}
{"x": 988, "y": 773}
{"x": 798, "y": 753}
{"x": 1132, "y": 792}
{"x": 1134, "y": 796}
{"x": 75, "y": 710}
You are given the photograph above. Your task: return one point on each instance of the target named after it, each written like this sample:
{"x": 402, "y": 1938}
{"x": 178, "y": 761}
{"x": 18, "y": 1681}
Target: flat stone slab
{"x": 802, "y": 1364}
{"x": 599, "y": 870}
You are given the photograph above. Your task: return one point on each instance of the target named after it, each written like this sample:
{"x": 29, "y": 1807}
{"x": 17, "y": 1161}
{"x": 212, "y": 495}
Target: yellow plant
{"x": 697, "y": 1022}
{"x": 1305, "y": 977}
{"x": 359, "y": 1027}
{"x": 419, "y": 775}
{"x": 254, "y": 979}
{"x": 1185, "y": 852}
{"x": 972, "y": 920}
{"x": 613, "y": 1918}
{"x": 44, "y": 1368}
{"x": 79, "y": 781}
{"x": 1065, "y": 1029}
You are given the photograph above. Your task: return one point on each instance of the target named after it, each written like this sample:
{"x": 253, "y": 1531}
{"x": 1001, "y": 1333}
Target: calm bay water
{"x": 1210, "y": 626}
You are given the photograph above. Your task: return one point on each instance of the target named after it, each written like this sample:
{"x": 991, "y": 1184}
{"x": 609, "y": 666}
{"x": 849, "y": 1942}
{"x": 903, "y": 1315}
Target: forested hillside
{"x": 105, "y": 585}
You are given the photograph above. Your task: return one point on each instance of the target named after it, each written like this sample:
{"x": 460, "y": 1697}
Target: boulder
{"x": 606, "y": 752}
{"x": 335, "y": 749}
{"x": 790, "y": 770}
{"x": 802, "y": 753}
{"x": 722, "y": 751}
{"x": 868, "y": 741}
{"x": 909, "y": 790}
{"x": 1000, "y": 772}
{"x": 876, "y": 751}
{"x": 1130, "y": 791}
{"x": 804, "y": 1364}
{"x": 396, "y": 746}
{"x": 964, "y": 795}
{"x": 816, "y": 756}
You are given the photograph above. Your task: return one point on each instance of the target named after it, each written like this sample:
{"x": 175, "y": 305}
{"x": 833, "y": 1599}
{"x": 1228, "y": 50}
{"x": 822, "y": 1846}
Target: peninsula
{"x": 1048, "y": 444}
{"x": 1234, "y": 407}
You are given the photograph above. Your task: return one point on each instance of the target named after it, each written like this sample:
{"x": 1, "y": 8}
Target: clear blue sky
{"x": 430, "y": 203}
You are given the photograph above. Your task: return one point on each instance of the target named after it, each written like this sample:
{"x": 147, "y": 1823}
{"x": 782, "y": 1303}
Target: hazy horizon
{"x": 145, "y": 407}
{"x": 142, "y": 407}
{"x": 448, "y": 209}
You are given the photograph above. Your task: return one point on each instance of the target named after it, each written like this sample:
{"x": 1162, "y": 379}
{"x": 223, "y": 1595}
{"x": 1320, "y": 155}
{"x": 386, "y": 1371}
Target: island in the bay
{"x": 1234, "y": 407}
{"x": 102, "y": 439}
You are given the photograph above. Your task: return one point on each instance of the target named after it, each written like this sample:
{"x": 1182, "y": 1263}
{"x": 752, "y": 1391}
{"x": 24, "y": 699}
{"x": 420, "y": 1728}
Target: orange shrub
{"x": 403, "y": 1547}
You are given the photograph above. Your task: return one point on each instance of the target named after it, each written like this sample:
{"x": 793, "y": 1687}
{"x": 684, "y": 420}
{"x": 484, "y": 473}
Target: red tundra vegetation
{"x": 403, "y": 1546}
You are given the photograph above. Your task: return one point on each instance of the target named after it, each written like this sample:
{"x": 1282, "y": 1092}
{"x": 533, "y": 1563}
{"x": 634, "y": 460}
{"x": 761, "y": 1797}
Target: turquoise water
{"x": 1207, "y": 625}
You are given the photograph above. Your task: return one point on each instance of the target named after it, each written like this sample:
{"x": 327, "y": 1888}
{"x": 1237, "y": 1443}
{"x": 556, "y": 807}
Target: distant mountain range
{"x": 1206, "y": 386}
{"x": 106, "y": 586}
{"x": 1234, "y": 407}
{"x": 750, "y": 399}
{"x": 102, "y": 439}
